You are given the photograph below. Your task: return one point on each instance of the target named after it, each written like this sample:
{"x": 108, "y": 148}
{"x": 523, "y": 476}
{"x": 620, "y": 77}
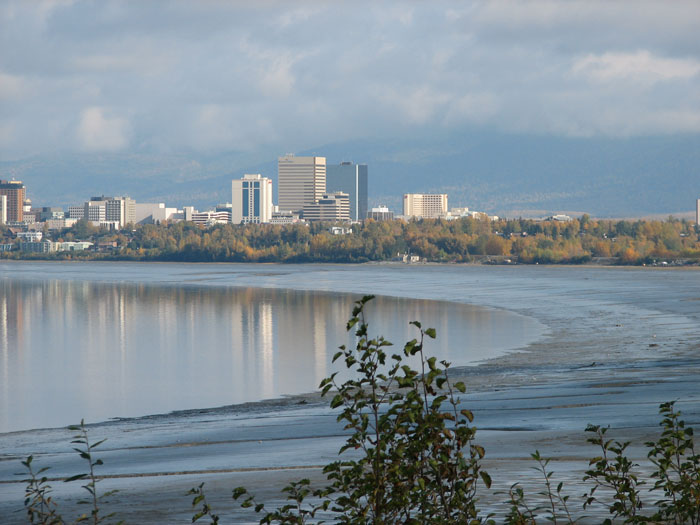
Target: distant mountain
{"x": 498, "y": 173}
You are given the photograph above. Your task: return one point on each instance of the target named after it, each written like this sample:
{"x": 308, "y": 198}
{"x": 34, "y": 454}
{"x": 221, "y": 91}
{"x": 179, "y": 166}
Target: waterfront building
{"x": 349, "y": 178}
{"x": 330, "y": 207}
{"x": 380, "y": 213}
{"x": 3, "y": 209}
{"x": 251, "y": 199}
{"x": 44, "y": 246}
{"x": 72, "y": 246}
{"x": 697, "y": 212}
{"x": 15, "y": 192}
{"x": 301, "y": 181}
{"x": 424, "y": 205}
{"x": 30, "y": 236}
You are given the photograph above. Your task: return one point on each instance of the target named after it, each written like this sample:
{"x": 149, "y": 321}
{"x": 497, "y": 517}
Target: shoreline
{"x": 596, "y": 365}
{"x": 688, "y": 264}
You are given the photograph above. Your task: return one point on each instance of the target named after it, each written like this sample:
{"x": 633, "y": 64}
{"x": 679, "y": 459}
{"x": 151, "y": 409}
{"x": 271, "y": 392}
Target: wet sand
{"x": 612, "y": 353}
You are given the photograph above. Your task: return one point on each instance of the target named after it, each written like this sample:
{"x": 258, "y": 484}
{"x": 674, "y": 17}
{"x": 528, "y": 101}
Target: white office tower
{"x": 301, "y": 181}
{"x": 251, "y": 199}
{"x": 3, "y": 209}
{"x": 697, "y": 212}
{"x": 425, "y": 206}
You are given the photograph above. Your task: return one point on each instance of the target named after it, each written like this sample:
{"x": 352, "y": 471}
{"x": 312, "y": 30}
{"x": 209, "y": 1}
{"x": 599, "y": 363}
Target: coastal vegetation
{"x": 525, "y": 241}
{"x": 412, "y": 456}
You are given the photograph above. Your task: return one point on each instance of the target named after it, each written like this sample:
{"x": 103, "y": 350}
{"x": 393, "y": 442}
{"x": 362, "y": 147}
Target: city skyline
{"x": 511, "y": 107}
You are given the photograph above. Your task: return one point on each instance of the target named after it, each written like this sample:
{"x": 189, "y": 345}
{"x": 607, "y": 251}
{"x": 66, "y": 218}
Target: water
{"x": 97, "y": 341}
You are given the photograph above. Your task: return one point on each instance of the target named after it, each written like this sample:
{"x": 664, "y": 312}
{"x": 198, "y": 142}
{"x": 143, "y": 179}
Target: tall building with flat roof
{"x": 3, "y": 209}
{"x": 301, "y": 181}
{"x": 425, "y": 205}
{"x": 15, "y": 192}
{"x": 251, "y": 199}
{"x": 350, "y": 178}
{"x": 697, "y": 212}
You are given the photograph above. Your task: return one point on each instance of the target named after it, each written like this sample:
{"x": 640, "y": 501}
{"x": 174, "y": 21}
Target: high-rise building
{"x": 697, "y": 212}
{"x": 301, "y": 181}
{"x": 330, "y": 207}
{"x": 424, "y": 205}
{"x": 251, "y": 199}
{"x": 3, "y": 209}
{"x": 349, "y": 178}
{"x": 15, "y": 192}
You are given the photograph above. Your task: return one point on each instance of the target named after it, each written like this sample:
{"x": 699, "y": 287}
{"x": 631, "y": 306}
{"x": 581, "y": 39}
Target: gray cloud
{"x": 122, "y": 76}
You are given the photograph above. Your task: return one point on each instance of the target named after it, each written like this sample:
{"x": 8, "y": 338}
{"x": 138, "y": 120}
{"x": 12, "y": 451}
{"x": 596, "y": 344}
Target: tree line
{"x": 469, "y": 239}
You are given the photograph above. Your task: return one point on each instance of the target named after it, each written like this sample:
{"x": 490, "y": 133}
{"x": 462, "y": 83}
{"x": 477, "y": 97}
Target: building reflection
{"x": 72, "y": 350}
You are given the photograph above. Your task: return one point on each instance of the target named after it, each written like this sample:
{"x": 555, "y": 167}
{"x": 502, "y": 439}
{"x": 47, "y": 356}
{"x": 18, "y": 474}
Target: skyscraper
{"x": 350, "y": 178}
{"x": 16, "y": 193}
{"x": 301, "y": 181}
{"x": 251, "y": 199}
{"x": 697, "y": 212}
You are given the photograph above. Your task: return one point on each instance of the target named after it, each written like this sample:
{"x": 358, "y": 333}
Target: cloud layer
{"x": 215, "y": 75}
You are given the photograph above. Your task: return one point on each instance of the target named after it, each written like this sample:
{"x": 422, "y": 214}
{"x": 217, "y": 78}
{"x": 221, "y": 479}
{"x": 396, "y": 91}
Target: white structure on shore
{"x": 301, "y": 181}
{"x": 697, "y": 212}
{"x": 424, "y": 205}
{"x": 251, "y": 199}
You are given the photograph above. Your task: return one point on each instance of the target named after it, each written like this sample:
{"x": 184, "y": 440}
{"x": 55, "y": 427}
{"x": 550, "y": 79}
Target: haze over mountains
{"x": 505, "y": 174}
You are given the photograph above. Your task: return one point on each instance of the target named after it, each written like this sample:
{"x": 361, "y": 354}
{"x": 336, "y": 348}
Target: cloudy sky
{"x": 208, "y": 76}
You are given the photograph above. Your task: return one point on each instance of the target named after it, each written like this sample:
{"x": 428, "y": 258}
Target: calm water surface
{"x": 74, "y": 347}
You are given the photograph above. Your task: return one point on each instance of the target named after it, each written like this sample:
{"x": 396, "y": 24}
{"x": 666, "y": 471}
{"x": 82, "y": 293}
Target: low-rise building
{"x": 284, "y": 217}
{"x": 380, "y": 213}
{"x": 153, "y": 213}
{"x": 44, "y": 246}
{"x": 333, "y": 207}
{"x": 72, "y": 246}
{"x": 209, "y": 218}
{"x": 30, "y": 236}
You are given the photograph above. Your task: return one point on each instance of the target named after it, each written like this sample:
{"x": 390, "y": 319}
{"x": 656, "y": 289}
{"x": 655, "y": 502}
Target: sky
{"x": 210, "y": 76}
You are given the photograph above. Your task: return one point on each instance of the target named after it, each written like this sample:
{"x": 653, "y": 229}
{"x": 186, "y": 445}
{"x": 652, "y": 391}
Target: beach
{"x": 617, "y": 343}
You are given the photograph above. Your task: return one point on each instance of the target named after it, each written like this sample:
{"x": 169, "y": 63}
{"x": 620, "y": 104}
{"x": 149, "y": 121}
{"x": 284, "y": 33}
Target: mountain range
{"x": 504, "y": 174}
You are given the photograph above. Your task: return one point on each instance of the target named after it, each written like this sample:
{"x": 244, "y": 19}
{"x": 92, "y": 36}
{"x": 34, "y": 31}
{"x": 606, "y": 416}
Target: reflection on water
{"x": 71, "y": 349}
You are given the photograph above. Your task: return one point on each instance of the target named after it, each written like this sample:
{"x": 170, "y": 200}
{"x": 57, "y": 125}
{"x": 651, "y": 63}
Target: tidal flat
{"x": 612, "y": 344}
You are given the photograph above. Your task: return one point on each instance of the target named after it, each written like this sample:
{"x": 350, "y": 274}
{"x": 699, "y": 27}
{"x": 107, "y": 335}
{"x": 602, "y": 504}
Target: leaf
{"x": 76, "y": 477}
{"x": 486, "y": 478}
{"x": 430, "y": 332}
